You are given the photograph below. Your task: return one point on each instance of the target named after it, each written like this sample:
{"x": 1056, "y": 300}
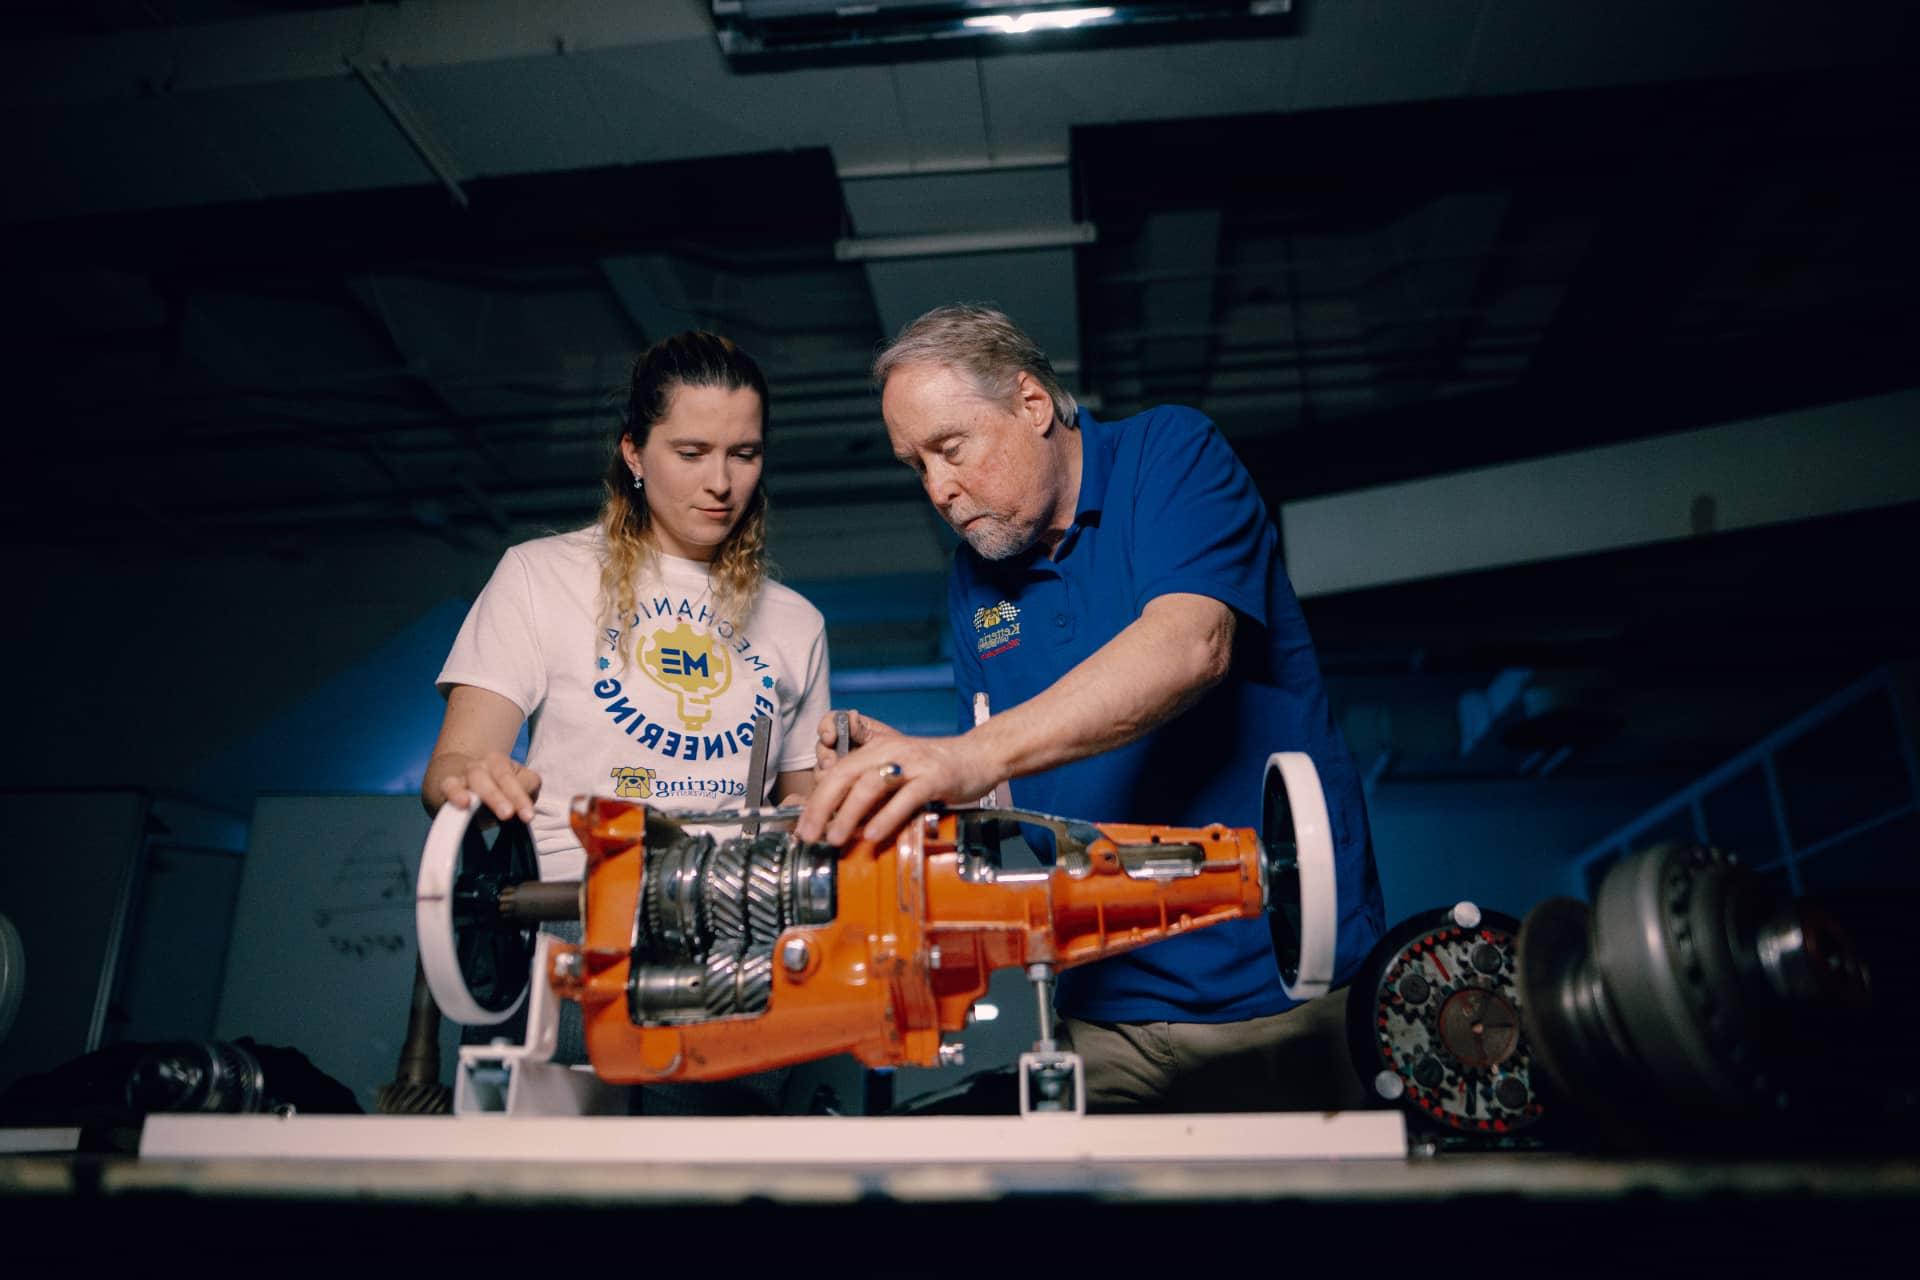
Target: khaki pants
{"x": 1292, "y": 1061}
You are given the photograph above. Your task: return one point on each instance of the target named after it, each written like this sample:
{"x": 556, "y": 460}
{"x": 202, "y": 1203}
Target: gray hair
{"x": 984, "y": 345}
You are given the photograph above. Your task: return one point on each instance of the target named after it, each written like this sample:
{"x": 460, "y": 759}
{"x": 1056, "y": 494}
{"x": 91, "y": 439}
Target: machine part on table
{"x": 415, "y": 1088}
{"x": 1433, "y": 1023}
{"x": 477, "y": 910}
{"x": 13, "y": 975}
{"x": 677, "y": 975}
{"x": 198, "y": 1076}
{"x": 1695, "y": 997}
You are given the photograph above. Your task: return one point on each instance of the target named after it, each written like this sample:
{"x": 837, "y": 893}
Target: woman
{"x": 642, "y": 648}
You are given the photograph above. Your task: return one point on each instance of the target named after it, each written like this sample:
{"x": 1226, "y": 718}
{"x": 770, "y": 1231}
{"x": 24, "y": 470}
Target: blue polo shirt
{"x": 1165, "y": 506}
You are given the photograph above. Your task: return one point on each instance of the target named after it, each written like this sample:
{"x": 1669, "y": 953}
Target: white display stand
{"x": 837, "y": 1141}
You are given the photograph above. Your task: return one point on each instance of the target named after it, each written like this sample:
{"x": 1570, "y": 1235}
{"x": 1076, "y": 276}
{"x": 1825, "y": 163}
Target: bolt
{"x": 795, "y": 955}
{"x": 933, "y": 957}
{"x": 568, "y": 966}
{"x": 952, "y": 1055}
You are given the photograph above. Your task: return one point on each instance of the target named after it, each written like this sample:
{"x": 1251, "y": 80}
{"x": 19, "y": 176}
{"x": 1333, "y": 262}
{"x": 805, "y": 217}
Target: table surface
{"x": 1482, "y": 1210}
{"x": 1528, "y": 1176}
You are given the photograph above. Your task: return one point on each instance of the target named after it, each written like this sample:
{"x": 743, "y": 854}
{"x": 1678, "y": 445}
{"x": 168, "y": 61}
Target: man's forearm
{"x": 1156, "y": 668}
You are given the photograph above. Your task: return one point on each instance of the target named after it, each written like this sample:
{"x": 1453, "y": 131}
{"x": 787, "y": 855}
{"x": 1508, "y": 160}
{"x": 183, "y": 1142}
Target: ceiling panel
{"x": 1365, "y": 51}
{"x": 304, "y": 136}
{"x": 526, "y": 116}
{"x": 979, "y": 200}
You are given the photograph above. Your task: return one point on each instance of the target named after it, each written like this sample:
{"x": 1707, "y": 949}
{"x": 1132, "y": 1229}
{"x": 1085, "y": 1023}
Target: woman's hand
{"x": 471, "y": 759}
{"x": 503, "y": 784}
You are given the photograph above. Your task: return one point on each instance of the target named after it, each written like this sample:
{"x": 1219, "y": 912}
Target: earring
{"x": 638, "y": 483}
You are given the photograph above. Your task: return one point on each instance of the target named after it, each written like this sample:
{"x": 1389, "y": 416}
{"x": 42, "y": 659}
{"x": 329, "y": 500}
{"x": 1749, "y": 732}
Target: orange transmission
{"x": 708, "y": 957}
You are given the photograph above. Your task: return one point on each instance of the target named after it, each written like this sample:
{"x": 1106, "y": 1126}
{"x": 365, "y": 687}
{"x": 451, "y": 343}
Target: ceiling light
{"x": 781, "y": 34}
{"x": 945, "y": 244}
{"x": 1011, "y": 24}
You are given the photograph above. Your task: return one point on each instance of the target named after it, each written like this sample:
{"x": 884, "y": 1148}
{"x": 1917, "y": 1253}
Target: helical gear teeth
{"x": 764, "y": 920}
{"x": 756, "y": 981}
{"x": 722, "y": 983}
{"x": 725, "y": 897}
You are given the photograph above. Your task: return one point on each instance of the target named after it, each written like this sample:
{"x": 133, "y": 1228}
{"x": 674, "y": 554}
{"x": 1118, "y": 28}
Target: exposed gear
{"x": 763, "y": 889}
{"x": 709, "y": 915}
{"x": 723, "y": 971}
{"x": 726, "y": 894}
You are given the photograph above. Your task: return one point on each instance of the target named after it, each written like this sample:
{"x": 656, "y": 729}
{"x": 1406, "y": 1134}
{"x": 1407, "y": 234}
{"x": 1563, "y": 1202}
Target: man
{"x": 1120, "y": 600}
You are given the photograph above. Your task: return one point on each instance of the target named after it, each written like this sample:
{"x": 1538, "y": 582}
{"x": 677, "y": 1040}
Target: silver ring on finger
{"x": 891, "y": 772}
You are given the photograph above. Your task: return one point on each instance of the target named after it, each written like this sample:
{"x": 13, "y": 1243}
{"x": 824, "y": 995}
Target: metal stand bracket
{"x": 1052, "y": 1083}
{"x": 523, "y": 1079}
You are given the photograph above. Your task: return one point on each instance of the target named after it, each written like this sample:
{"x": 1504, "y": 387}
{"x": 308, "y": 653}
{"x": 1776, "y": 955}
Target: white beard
{"x": 995, "y": 539}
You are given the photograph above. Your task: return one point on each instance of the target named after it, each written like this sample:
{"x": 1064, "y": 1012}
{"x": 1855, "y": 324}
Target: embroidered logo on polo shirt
{"x": 996, "y": 628}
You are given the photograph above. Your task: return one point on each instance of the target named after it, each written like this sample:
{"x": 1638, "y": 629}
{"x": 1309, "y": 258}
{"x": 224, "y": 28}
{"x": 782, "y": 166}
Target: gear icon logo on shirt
{"x": 691, "y": 667}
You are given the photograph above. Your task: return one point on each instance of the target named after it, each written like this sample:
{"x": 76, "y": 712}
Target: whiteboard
{"x": 323, "y": 939}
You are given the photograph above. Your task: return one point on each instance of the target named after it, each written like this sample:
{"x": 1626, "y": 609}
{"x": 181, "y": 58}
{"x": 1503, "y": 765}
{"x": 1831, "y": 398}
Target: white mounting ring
{"x": 433, "y": 919}
{"x": 1319, "y": 896}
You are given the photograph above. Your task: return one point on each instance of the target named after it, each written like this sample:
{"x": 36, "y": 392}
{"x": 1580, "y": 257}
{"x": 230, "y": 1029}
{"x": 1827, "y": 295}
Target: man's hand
{"x": 1159, "y": 666}
{"x": 887, "y": 780}
{"x": 861, "y": 730}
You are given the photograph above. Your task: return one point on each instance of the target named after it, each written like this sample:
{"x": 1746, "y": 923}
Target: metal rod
{"x": 1041, "y": 975}
{"x": 1780, "y": 821}
{"x": 757, "y": 773}
{"x": 541, "y": 900}
{"x": 1623, "y": 837}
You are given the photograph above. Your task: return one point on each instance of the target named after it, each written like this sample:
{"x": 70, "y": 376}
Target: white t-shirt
{"x": 658, "y": 709}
